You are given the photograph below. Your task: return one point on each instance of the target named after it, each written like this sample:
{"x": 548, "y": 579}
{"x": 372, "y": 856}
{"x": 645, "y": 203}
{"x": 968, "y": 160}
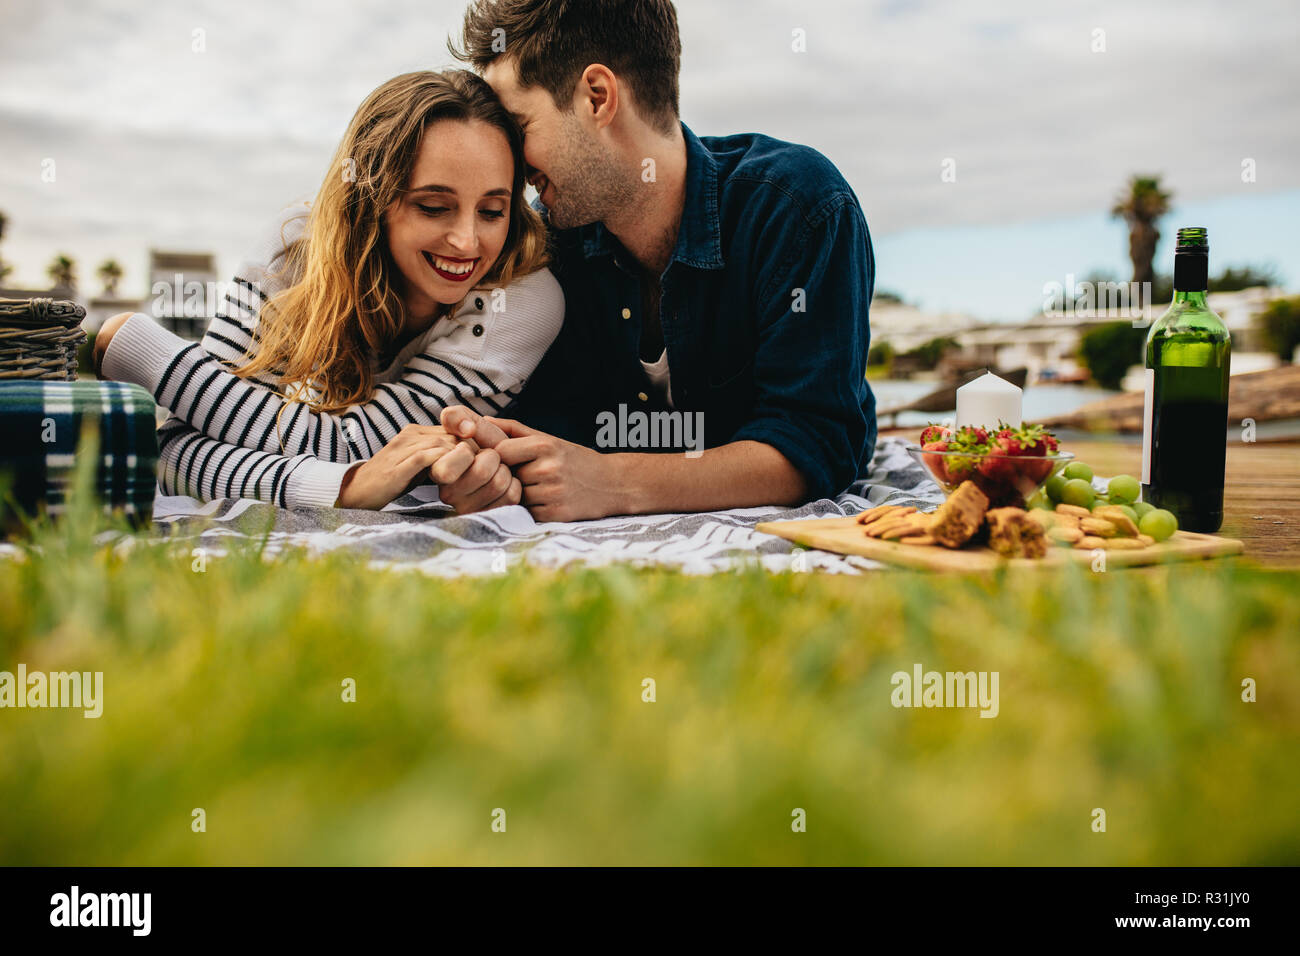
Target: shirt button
{"x": 478, "y": 330}
{"x": 627, "y": 313}
{"x": 643, "y": 396}
{"x": 478, "y": 304}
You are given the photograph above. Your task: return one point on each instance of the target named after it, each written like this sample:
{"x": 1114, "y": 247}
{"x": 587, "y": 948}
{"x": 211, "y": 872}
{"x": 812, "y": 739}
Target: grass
{"x": 223, "y": 691}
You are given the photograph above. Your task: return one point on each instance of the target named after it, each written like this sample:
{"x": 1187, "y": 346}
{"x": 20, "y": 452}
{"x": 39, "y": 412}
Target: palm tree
{"x": 109, "y": 273}
{"x": 1141, "y": 205}
{"x": 62, "y": 271}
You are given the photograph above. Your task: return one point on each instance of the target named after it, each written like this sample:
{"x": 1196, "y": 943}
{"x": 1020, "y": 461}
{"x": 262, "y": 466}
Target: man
{"x": 722, "y": 280}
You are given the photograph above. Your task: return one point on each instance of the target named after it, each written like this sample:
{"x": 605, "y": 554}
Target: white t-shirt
{"x": 658, "y": 375}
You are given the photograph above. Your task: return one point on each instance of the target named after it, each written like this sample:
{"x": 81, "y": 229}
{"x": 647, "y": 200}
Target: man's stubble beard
{"x": 593, "y": 186}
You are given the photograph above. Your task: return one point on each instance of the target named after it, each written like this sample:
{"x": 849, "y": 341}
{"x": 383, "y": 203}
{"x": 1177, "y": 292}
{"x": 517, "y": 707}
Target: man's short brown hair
{"x": 553, "y": 41}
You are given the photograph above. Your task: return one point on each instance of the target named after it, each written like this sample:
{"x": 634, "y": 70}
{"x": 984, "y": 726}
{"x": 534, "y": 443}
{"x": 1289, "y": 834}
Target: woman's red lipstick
{"x": 450, "y": 276}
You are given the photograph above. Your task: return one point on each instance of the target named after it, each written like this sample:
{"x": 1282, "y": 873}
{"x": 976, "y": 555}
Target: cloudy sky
{"x": 1044, "y": 109}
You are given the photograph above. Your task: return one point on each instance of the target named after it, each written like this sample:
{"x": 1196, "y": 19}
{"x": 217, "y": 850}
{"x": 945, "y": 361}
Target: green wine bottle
{"x": 1185, "y": 426}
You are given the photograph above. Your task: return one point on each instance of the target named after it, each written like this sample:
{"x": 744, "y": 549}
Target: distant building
{"x": 105, "y": 307}
{"x": 1048, "y": 344}
{"x": 905, "y": 326}
{"x": 182, "y": 294}
{"x": 181, "y": 291}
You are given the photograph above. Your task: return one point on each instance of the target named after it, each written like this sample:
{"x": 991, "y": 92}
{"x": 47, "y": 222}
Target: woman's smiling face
{"x": 448, "y": 228}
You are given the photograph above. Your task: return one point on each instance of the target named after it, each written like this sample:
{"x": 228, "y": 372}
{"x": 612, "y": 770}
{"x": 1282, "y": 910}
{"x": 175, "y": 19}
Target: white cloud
{"x": 159, "y": 145}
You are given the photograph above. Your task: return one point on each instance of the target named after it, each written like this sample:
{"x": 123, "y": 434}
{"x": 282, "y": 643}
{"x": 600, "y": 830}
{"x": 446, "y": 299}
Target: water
{"x": 1040, "y": 401}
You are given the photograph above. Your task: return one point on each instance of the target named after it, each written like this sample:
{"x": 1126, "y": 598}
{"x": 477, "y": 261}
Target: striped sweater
{"x": 230, "y": 437}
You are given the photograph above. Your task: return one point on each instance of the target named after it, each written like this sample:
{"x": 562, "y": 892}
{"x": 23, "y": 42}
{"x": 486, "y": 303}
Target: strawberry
{"x": 933, "y": 433}
{"x": 1027, "y": 441}
{"x": 961, "y": 467}
{"x": 971, "y": 439}
{"x": 1035, "y": 442}
{"x": 935, "y": 462}
{"x": 1038, "y": 471}
{"x": 995, "y": 465}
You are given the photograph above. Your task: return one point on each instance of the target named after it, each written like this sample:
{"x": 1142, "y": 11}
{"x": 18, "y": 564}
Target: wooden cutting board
{"x": 845, "y": 536}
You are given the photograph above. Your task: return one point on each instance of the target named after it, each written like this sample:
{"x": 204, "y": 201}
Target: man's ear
{"x": 598, "y": 94}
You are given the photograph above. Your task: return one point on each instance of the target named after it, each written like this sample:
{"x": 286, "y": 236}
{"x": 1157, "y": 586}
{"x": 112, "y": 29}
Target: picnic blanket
{"x": 419, "y": 532}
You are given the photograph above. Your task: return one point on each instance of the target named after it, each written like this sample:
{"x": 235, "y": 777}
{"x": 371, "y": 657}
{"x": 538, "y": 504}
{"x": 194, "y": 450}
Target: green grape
{"x": 1077, "y": 469}
{"x": 1078, "y": 492}
{"x": 1039, "y": 500}
{"x": 1055, "y": 485}
{"x": 1123, "y": 489}
{"x": 1143, "y": 507}
{"x": 1128, "y": 510}
{"x": 1158, "y": 523}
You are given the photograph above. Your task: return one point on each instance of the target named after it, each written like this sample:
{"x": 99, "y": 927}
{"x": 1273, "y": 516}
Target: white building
{"x": 905, "y": 326}
{"x": 1048, "y": 344}
{"x": 181, "y": 286}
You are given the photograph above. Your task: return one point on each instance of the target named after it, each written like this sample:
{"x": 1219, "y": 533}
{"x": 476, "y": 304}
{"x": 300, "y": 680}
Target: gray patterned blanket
{"x": 418, "y": 532}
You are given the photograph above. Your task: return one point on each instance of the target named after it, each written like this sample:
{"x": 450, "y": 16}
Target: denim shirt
{"x": 763, "y": 309}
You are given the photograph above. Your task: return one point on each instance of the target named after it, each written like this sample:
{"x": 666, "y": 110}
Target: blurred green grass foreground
{"x": 519, "y": 700}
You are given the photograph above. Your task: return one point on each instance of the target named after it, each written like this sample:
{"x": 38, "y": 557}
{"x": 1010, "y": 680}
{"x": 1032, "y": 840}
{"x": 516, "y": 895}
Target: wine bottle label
{"x": 1148, "y": 407}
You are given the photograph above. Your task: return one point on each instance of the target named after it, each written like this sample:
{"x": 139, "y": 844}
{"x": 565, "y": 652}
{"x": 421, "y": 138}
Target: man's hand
{"x": 479, "y": 481}
{"x": 562, "y": 481}
{"x": 567, "y": 482}
{"x": 414, "y": 455}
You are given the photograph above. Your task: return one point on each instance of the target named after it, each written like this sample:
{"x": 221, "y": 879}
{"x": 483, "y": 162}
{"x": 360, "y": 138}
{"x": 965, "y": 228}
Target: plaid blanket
{"x": 418, "y": 532}
{"x": 41, "y": 423}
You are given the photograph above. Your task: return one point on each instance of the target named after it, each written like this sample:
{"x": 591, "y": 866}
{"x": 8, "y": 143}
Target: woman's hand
{"x": 480, "y": 481}
{"x": 104, "y": 336}
{"x": 420, "y": 453}
{"x": 398, "y": 466}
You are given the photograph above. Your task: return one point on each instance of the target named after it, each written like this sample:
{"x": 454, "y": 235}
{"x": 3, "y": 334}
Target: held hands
{"x": 462, "y": 456}
{"x": 561, "y": 481}
{"x": 469, "y": 479}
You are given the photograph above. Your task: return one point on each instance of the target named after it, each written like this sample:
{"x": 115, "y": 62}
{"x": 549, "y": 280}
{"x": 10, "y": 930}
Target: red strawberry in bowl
{"x": 935, "y": 462}
{"x": 1008, "y": 466}
{"x": 961, "y": 467}
{"x": 972, "y": 440}
{"x": 995, "y": 465}
{"x": 933, "y": 433}
{"x": 1036, "y": 443}
{"x": 1005, "y": 470}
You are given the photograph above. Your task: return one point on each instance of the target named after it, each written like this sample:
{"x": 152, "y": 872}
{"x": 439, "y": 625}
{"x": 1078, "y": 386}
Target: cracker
{"x": 1075, "y": 510}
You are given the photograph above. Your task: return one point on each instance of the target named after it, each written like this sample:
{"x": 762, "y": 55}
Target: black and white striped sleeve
{"x": 480, "y": 357}
{"x": 192, "y": 464}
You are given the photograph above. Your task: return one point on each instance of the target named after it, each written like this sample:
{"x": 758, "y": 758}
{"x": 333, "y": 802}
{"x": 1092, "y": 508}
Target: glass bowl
{"x": 1004, "y": 479}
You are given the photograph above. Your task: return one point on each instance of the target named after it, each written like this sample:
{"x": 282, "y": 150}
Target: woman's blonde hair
{"x": 345, "y": 303}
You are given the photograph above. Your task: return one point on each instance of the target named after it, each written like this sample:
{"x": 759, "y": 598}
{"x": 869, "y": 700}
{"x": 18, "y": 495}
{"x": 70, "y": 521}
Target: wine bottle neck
{"x": 1191, "y": 273}
{"x": 1193, "y": 298}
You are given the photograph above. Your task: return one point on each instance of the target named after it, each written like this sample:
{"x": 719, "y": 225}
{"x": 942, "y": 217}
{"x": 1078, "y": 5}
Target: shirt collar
{"x": 699, "y": 237}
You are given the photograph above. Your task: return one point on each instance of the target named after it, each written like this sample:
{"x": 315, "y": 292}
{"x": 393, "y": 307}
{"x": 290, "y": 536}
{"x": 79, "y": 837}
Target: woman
{"x": 416, "y": 280}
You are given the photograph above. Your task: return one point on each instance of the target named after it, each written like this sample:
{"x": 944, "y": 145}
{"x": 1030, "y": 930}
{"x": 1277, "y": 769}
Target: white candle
{"x": 986, "y": 400}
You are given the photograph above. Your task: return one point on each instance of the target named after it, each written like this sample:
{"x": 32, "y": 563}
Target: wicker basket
{"x": 39, "y": 338}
